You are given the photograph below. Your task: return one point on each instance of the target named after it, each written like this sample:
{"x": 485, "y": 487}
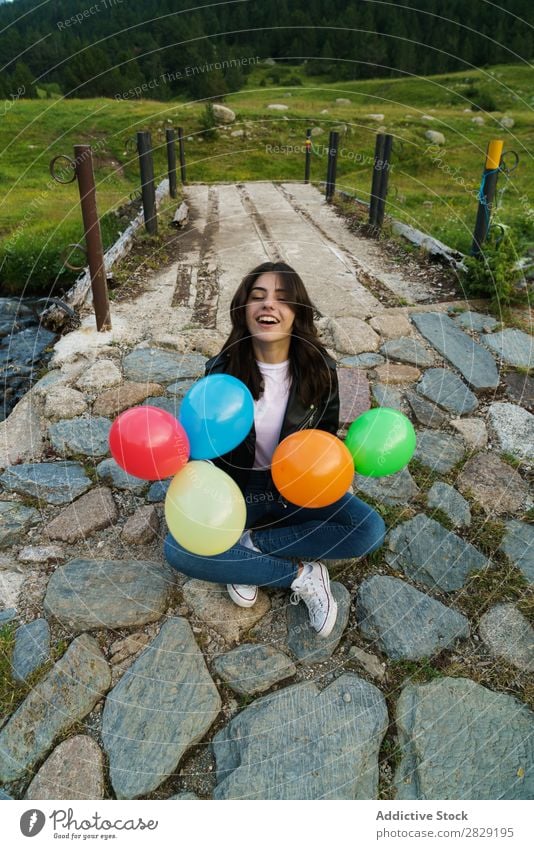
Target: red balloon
{"x": 148, "y": 443}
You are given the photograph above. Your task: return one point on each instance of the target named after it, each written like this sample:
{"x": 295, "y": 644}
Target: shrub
{"x": 494, "y": 274}
{"x": 208, "y": 122}
{"x": 483, "y": 101}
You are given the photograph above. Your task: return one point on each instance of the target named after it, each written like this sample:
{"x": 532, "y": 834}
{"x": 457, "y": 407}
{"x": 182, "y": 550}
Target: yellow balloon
{"x": 205, "y": 509}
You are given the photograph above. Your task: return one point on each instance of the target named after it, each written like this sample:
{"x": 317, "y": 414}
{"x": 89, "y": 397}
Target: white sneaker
{"x": 313, "y": 587}
{"x": 244, "y": 595}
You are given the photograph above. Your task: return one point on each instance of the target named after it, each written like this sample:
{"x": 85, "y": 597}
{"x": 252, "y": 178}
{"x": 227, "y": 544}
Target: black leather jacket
{"x": 324, "y": 415}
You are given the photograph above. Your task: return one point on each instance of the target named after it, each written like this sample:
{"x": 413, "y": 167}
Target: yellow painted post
{"x": 488, "y": 184}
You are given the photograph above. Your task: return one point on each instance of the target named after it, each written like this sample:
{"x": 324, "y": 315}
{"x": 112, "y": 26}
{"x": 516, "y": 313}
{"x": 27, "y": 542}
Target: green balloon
{"x": 381, "y": 441}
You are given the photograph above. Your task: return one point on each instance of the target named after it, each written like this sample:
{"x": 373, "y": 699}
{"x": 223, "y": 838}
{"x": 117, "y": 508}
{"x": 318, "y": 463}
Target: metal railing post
{"x": 308, "y": 157}
{"x": 148, "y": 191}
{"x": 486, "y": 194}
{"x": 384, "y": 180}
{"x": 333, "y": 143}
{"x": 182, "y": 153}
{"x": 377, "y": 173}
{"x": 171, "y": 161}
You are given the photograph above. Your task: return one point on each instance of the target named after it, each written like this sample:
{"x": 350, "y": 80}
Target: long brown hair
{"x": 307, "y": 357}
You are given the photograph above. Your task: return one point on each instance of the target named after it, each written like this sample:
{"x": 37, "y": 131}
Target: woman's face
{"x": 268, "y": 313}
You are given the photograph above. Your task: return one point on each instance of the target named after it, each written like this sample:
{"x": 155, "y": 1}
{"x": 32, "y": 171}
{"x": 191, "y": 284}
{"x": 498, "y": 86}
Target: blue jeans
{"x": 285, "y": 534}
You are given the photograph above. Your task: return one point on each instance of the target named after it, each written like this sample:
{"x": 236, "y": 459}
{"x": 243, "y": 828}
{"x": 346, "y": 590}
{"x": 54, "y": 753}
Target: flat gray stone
{"x": 302, "y": 743}
{"x": 4, "y": 796}
{"x": 511, "y": 345}
{"x": 170, "y": 405}
{"x": 250, "y": 668}
{"x": 55, "y": 483}
{"x": 514, "y": 429}
{"x": 86, "y": 594}
{"x": 438, "y": 451}
{"x": 520, "y": 389}
{"x": 74, "y": 770}
{"x": 461, "y": 741}
{"x": 495, "y": 485}
{"x": 211, "y": 603}
{"x": 142, "y": 527}
{"x": 158, "y": 365}
{"x": 158, "y": 491}
{"x": 90, "y": 513}
{"x": 518, "y": 545}
{"x": 180, "y": 388}
{"x": 110, "y": 472}
{"x": 7, "y": 615}
{"x": 366, "y": 360}
{"x": 477, "y": 321}
{"x": 443, "y": 497}
{"x": 395, "y": 489}
{"x": 370, "y": 662}
{"x": 87, "y": 435}
{"x": 508, "y": 635}
{"x": 445, "y": 388}
{"x": 471, "y": 359}
{"x": 15, "y": 519}
{"x": 68, "y": 693}
{"x": 31, "y": 650}
{"x": 11, "y": 581}
{"x": 473, "y": 432}
{"x": 387, "y": 396}
{"x": 406, "y": 623}
{"x": 353, "y": 394}
{"x": 407, "y": 350}
{"x": 40, "y": 553}
{"x": 164, "y": 704}
{"x": 303, "y": 641}
{"x": 426, "y": 413}
{"x": 429, "y": 553}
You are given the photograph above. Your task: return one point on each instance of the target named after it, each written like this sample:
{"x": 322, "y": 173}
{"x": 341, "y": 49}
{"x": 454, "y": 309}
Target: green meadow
{"x": 433, "y": 188}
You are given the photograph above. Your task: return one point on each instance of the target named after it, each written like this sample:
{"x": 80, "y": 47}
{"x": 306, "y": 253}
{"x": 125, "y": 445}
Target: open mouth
{"x": 267, "y": 320}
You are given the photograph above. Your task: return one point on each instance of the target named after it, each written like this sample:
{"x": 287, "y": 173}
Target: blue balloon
{"x": 217, "y": 414}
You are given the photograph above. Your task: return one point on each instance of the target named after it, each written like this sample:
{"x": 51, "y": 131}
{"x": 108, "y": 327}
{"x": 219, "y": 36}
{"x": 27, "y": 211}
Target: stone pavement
{"x": 142, "y": 683}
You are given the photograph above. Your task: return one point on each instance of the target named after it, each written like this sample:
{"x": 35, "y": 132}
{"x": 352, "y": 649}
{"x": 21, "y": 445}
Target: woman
{"x": 274, "y": 349}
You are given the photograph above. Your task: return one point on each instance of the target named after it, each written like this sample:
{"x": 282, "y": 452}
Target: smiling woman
{"x": 274, "y": 349}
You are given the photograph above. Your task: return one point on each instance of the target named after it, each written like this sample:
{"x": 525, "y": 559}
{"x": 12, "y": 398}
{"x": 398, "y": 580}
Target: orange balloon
{"x": 312, "y": 468}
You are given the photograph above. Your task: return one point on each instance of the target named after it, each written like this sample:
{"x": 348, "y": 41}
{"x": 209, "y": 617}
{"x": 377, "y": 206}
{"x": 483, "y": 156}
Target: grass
{"x": 43, "y": 212}
{"x": 13, "y": 693}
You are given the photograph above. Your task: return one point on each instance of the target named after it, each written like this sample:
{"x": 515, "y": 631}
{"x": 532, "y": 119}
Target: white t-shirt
{"x": 269, "y": 410}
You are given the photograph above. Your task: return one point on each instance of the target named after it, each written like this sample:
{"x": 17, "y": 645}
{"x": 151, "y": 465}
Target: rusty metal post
{"x": 148, "y": 191}
{"x": 182, "y": 153}
{"x": 171, "y": 161}
{"x": 308, "y": 156}
{"x": 83, "y": 159}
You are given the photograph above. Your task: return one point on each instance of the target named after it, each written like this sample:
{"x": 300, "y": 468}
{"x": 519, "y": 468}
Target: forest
{"x": 77, "y": 49}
